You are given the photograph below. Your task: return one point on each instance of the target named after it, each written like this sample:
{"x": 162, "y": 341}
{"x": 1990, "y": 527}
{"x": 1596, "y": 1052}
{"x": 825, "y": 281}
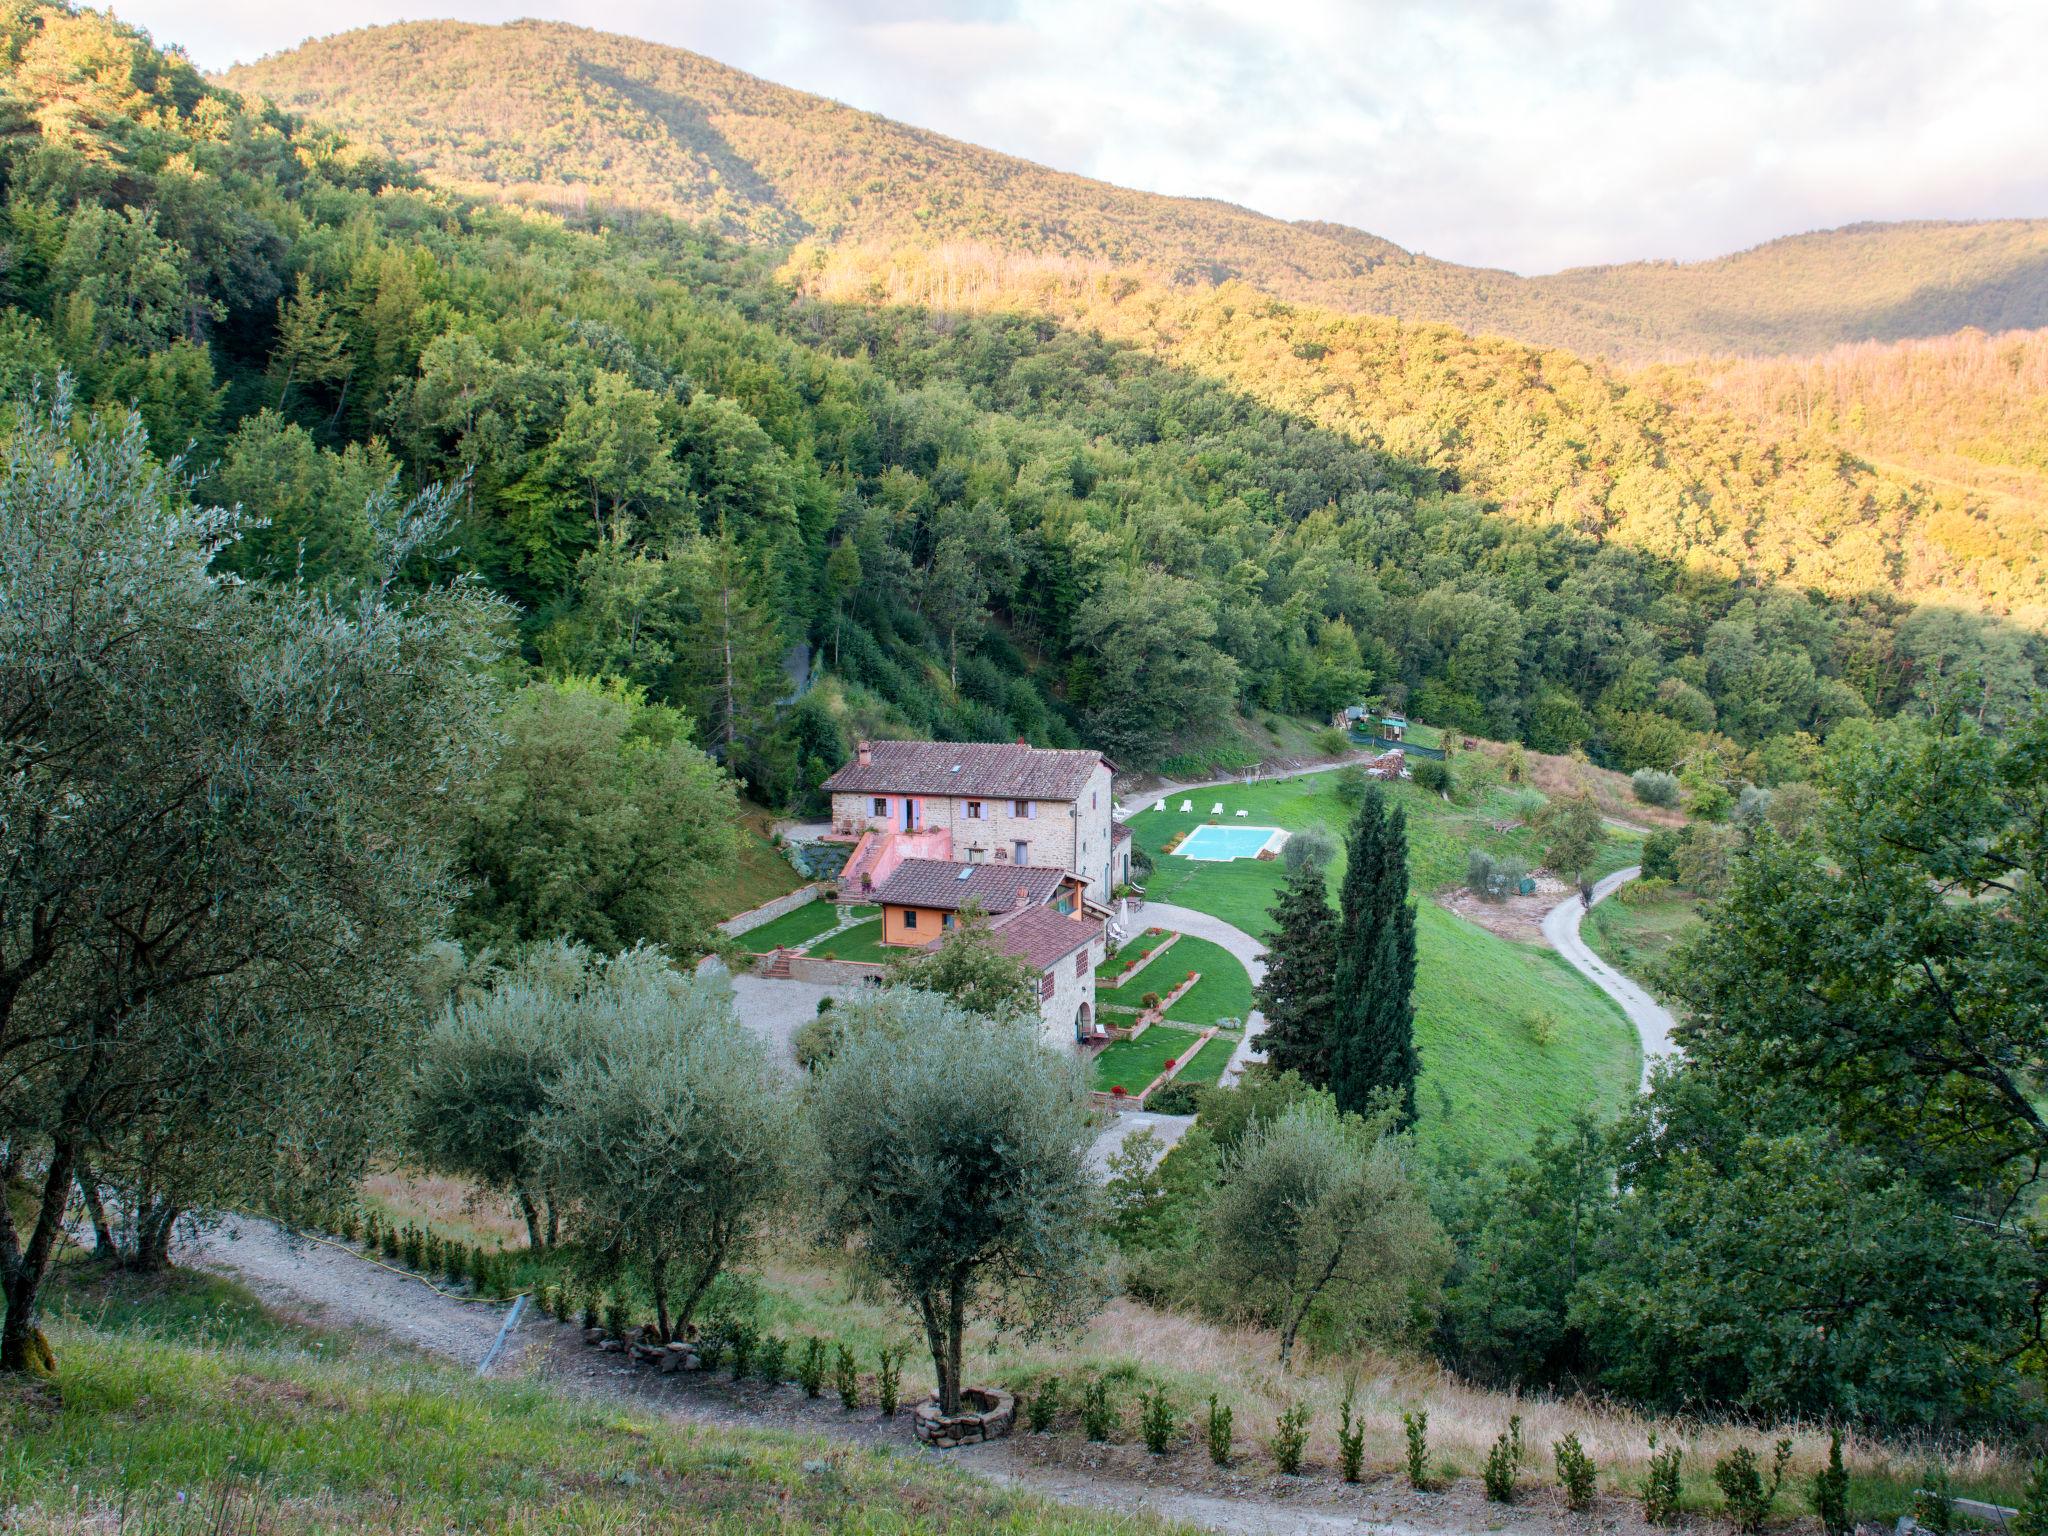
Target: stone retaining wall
{"x": 768, "y": 911}
{"x": 834, "y": 973}
{"x": 988, "y": 1414}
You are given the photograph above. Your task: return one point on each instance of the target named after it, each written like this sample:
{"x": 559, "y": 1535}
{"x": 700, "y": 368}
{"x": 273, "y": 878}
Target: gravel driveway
{"x": 1651, "y": 1018}
{"x": 334, "y": 1286}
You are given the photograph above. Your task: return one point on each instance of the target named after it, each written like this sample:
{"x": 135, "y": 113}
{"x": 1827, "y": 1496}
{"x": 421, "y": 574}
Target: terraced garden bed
{"x": 1207, "y": 1067}
{"x": 1132, "y": 1064}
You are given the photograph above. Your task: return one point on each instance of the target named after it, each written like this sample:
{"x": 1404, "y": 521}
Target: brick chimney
{"x": 864, "y": 754}
{"x": 1023, "y": 895}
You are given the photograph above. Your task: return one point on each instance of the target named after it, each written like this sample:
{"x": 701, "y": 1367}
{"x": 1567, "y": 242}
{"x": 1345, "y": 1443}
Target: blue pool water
{"x": 1219, "y": 843}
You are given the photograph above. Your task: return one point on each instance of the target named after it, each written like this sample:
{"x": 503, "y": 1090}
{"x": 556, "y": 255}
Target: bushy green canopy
{"x": 953, "y": 1152}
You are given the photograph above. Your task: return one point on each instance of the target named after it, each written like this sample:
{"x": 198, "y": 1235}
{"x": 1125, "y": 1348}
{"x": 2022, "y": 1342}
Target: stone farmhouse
{"x": 1021, "y": 834}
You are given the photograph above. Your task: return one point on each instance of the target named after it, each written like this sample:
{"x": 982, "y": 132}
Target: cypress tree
{"x": 1298, "y": 996}
{"x": 1372, "y": 1034}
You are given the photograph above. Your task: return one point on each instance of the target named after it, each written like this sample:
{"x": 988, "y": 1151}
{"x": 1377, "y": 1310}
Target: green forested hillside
{"x": 986, "y": 524}
{"x": 563, "y": 116}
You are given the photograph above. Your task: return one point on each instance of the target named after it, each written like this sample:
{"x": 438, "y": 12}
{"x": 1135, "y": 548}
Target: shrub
{"x": 889, "y": 1378}
{"x": 1576, "y": 1473}
{"x": 1349, "y": 784}
{"x": 1749, "y": 1494}
{"x": 1043, "y": 1405}
{"x": 373, "y": 1232}
{"x": 410, "y": 1247}
{"x": 1098, "y": 1418}
{"x": 1290, "y": 1438}
{"x": 460, "y": 1262}
{"x": 1311, "y": 847}
{"x": 550, "y": 1301}
{"x": 591, "y": 1314}
{"x": 1150, "y": 1000}
{"x": 1332, "y": 742}
{"x": 2030, "y": 1520}
{"x": 1416, "y": 1427}
{"x": 1830, "y": 1495}
{"x": 1660, "y": 855}
{"x": 1157, "y": 1421}
{"x": 1504, "y": 1463}
{"x": 771, "y": 1360}
{"x": 846, "y": 1379}
{"x": 618, "y": 1317}
{"x": 810, "y": 1367}
{"x": 1176, "y": 1099}
{"x": 1350, "y": 1441}
{"x": 740, "y": 1338}
{"x": 1542, "y": 1026}
{"x": 1427, "y": 773}
{"x": 391, "y": 1244}
{"x": 711, "y": 1351}
{"x": 1653, "y": 786}
{"x": 1219, "y": 1432}
{"x": 1934, "y": 1507}
{"x": 1661, "y": 1484}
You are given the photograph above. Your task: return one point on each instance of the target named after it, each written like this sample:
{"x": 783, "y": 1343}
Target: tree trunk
{"x": 657, "y": 1278}
{"x": 532, "y": 1215}
{"x": 22, "y": 1349}
{"x": 956, "y": 1333}
{"x": 554, "y": 1223}
{"x": 104, "y": 1244}
{"x": 935, "y": 1341}
{"x": 154, "y": 1224}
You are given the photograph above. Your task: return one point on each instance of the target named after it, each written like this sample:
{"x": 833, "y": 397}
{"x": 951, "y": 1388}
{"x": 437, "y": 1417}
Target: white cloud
{"x": 1530, "y": 134}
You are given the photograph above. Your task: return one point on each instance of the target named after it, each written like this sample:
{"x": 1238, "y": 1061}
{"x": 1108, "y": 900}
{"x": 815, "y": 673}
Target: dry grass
{"x": 1556, "y": 776}
{"x": 1195, "y": 1358}
{"x": 452, "y": 1207}
{"x": 808, "y": 1292}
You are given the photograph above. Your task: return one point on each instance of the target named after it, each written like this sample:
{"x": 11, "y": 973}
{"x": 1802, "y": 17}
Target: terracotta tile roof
{"x": 948, "y": 886}
{"x": 1119, "y": 834}
{"x": 1043, "y": 936}
{"x": 999, "y": 770}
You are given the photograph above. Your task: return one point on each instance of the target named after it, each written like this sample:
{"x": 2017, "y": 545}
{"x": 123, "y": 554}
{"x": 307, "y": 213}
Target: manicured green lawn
{"x": 1131, "y": 1064}
{"x": 863, "y": 941}
{"x": 792, "y": 928}
{"x": 1224, "y": 992}
{"x": 1113, "y": 967}
{"x": 1487, "y": 1087}
{"x": 1210, "y": 1061}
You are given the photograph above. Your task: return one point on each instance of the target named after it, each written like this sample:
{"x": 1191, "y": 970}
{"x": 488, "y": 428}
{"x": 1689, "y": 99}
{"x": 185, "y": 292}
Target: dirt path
{"x": 334, "y": 1287}
{"x": 337, "y": 1287}
{"x": 1653, "y": 1021}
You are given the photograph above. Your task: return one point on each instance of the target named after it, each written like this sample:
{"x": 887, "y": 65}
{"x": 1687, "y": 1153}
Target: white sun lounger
{"x": 1216, "y": 809}
{"x": 1241, "y": 815}
{"x": 1161, "y": 806}
{"x": 1186, "y": 806}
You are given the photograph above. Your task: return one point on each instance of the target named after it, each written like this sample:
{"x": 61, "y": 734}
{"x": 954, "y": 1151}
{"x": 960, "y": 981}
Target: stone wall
{"x": 833, "y": 973}
{"x": 768, "y": 911}
{"x": 987, "y": 1413}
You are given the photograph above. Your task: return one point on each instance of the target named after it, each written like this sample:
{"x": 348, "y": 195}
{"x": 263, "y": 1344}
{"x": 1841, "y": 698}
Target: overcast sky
{"x": 1529, "y": 134}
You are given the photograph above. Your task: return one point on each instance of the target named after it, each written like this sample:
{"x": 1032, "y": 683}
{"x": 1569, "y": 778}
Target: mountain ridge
{"x": 554, "y": 114}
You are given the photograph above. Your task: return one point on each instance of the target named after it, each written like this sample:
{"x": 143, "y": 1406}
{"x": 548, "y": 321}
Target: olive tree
{"x": 223, "y": 810}
{"x": 481, "y": 1083}
{"x": 1316, "y": 1224}
{"x": 671, "y": 1135}
{"x": 954, "y": 1153}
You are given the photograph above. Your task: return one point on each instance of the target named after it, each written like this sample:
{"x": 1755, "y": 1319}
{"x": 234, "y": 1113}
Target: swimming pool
{"x": 1214, "y": 843}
